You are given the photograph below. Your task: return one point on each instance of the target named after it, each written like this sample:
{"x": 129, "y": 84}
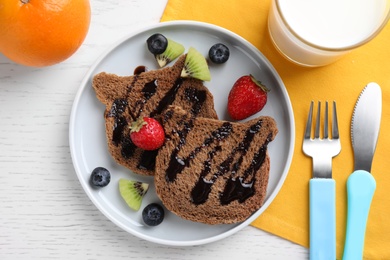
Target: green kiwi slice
{"x": 195, "y": 66}
{"x": 173, "y": 50}
{"x": 133, "y": 192}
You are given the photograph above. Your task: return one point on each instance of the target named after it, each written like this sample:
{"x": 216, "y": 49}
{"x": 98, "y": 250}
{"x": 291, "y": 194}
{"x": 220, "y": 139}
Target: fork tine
{"x": 309, "y": 122}
{"x": 335, "y": 126}
{"x": 326, "y": 134}
{"x": 318, "y": 121}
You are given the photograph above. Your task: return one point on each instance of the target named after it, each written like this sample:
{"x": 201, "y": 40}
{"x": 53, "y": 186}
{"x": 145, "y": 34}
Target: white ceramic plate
{"x": 87, "y": 130}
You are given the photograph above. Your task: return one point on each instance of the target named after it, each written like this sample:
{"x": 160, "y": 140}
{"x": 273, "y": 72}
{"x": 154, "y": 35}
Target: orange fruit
{"x": 42, "y": 32}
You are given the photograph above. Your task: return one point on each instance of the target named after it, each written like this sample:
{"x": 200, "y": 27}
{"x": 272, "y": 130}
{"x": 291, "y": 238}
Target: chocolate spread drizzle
{"x": 177, "y": 164}
{"x": 120, "y": 136}
{"x": 148, "y": 91}
{"x": 239, "y": 188}
{"x": 168, "y": 98}
{"x": 116, "y": 111}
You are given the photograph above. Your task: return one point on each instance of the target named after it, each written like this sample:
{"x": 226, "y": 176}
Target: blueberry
{"x": 219, "y": 53}
{"x": 153, "y": 214}
{"x": 100, "y": 177}
{"x": 157, "y": 43}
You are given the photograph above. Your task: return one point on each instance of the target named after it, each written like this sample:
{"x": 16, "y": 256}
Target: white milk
{"x": 326, "y": 29}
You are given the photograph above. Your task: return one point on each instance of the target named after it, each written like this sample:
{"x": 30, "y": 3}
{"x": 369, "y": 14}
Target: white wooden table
{"x": 44, "y": 212}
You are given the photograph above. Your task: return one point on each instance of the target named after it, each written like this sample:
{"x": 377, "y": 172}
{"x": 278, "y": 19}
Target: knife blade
{"x": 361, "y": 184}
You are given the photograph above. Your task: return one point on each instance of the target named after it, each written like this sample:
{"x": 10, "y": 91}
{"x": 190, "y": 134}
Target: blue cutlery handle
{"x": 322, "y": 219}
{"x": 360, "y": 190}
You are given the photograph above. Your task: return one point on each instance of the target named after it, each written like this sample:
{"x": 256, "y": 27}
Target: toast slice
{"x": 148, "y": 94}
{"x": 213, "y": 171}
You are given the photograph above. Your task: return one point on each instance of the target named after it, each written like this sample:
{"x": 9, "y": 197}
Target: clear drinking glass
{"x": 318, "y": 32}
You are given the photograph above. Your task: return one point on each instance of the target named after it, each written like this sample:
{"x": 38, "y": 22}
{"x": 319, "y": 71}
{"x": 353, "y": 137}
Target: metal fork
{"x": 322, "y": 186}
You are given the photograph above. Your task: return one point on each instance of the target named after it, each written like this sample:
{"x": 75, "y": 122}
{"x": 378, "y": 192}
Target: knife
{"x": 361, "y": 184}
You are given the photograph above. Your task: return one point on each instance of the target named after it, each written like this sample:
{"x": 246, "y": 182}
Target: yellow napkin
{"x": 288, "y": 215}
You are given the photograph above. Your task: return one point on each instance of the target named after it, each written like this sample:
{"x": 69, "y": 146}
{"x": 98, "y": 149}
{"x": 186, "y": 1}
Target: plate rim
{"x": 82, "y": 88}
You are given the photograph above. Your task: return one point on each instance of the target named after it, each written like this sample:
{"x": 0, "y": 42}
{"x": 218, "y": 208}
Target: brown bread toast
{"x": 213, "y": 171}
{"x": 146, "y": 94}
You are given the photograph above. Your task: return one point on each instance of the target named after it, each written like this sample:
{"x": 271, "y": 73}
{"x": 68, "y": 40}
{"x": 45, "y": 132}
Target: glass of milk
{"x": 318, "y": 32}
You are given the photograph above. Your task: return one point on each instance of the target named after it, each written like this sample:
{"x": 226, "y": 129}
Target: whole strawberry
{"x": 247, "y": 97}
{"x": 147, "y": 133}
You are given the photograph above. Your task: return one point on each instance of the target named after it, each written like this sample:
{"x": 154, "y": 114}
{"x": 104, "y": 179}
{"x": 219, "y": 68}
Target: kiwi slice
{"x": 195, "y": 66}
{"x": 133, "y": 192}
{"x": 173, "y": 50}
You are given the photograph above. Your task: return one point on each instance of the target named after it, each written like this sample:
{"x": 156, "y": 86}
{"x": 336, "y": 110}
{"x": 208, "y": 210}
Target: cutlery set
{"x": 365, "y": 125}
